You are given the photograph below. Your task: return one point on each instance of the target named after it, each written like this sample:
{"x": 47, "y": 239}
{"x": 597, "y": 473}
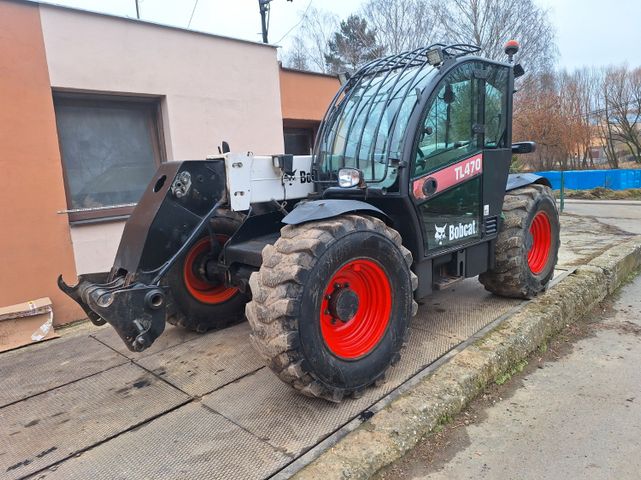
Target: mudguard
{"x": 322, "y": 209}
{"x": 517, "y": 180}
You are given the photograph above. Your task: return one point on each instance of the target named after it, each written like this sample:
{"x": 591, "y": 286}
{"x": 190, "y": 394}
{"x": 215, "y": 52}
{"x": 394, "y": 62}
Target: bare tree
{"x": 618, "y": 113}
{"x": 297, "y": 55}
{"x": 623, "y": 91}
{"x": 402, "y": 25}
{"x": 603, "y": 117}
{"x": 536, "y": 118}
{"x": 576, "y": 103}
{"x": 312, "y": 40}
{"x": 490, "y": 23}
{"x": 586, "y": 84}
{"x": 554, "y": 111}
{"x": 634, "y": 80}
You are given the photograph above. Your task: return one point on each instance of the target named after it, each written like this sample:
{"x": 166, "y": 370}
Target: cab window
{"x": 448, "y": 129}
{"x": 496, "y": 89}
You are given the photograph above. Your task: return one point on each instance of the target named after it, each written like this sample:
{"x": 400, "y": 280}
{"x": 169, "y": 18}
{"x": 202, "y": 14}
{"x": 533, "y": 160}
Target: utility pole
{"x": 263, "y": 5}
{"x": 137, "y": 10}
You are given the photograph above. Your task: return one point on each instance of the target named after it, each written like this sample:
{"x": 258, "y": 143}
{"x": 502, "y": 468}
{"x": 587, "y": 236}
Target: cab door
{"x": 464, "y": 120}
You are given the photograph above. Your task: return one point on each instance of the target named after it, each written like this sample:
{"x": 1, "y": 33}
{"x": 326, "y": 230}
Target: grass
{"x": 601, "y": 193}
{"x": 517, "y": 368}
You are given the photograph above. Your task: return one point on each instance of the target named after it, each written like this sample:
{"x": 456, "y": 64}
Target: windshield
{"x": 365, "y": 126}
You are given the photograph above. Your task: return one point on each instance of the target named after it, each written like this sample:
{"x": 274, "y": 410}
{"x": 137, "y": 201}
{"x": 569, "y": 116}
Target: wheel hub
{"x": 196, "y": 275}
{"x": 343, "y": 303}
{"x": 355, "y": 308}
{"x": 540, "y": 244}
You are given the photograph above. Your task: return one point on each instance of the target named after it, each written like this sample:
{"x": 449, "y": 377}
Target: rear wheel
{"x": 528, "y": 244}
{"x": 199, "y": 303}
{"x": 331, "y": 304}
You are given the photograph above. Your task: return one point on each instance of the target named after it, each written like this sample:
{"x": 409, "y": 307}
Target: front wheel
{"x": 331, "y": 304}
{"x": 527, "y": 246}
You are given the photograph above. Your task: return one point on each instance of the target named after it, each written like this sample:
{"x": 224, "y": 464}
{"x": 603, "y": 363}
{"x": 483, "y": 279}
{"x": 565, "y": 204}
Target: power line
{"x": 192, "y": 13}
{"x": 297, "y": 24}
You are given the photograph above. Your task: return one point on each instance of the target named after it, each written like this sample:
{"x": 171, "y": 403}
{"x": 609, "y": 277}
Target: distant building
{"x": 91, "y": 104}
{"x": 302, "y": 112}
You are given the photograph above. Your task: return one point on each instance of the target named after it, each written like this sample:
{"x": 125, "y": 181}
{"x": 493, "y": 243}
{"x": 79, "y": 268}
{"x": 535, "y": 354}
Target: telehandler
{"x": 327, "y": 255}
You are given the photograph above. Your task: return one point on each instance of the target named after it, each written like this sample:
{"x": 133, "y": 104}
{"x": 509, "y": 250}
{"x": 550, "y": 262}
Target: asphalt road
{"x": 625, "y": 215}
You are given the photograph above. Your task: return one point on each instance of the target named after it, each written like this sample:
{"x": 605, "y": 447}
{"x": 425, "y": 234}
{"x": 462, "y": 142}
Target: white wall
{"x": 95, "y": 246}
{"x": 213, "y": 89}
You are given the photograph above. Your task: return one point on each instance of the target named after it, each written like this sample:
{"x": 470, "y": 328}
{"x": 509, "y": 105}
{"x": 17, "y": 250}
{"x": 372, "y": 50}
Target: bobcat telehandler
{"x": 327, "y": 255}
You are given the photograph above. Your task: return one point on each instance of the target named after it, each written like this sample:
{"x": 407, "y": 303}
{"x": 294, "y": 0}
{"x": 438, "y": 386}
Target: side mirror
{"x": 523, "y": 147}
{"x": 519, "y": 71}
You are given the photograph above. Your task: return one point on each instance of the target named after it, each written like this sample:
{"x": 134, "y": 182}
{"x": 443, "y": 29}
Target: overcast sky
{"x": 589, "y": 32}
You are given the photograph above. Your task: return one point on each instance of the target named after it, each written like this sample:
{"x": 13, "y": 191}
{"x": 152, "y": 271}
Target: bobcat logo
{"x": 440, "y": 234}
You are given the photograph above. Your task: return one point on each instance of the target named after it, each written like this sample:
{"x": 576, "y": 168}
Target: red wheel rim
{"x": 198, "y": 287}
{"x": 359, "y": 335}
{"x": 541, "y": 231}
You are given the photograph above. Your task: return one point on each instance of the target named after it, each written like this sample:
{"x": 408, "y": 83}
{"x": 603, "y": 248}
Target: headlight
{"x": 349, "y": 177}
{"x": 435, "y": 56}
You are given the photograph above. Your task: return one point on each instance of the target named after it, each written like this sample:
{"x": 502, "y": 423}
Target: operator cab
{"x": 426, "y": 137}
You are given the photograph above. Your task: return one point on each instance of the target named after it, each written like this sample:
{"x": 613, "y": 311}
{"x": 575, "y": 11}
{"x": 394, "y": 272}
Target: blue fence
{"x": 587, "y": 179}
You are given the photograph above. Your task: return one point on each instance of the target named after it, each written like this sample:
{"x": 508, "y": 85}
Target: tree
{"x": 583, "y": 85}
{"x": 605, "y": 125}
{"x": 402, "y": 25}
{"x": 490, "y": 23}
{"x": 352, "y": 45}
{"x": 617, "y": 113}
{"x": 311, "y": 41}
{"x": 554, "y": 112}
{"x": 575, "y": 92}
{"x": 296, "y": 57}
{"x": 622, "y": 90}
{"x": 537, "y": 117}
{"x": 634, "y": 81}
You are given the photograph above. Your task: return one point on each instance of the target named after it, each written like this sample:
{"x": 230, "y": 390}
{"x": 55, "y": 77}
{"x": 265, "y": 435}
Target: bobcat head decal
{"x": 440, "y": 235}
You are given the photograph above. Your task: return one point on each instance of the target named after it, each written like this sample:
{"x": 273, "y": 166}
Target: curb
{"x": 396, "y": 429}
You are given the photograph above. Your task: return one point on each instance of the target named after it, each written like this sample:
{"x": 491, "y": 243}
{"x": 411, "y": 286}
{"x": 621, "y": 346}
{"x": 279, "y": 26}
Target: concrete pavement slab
{"x": 583, "y": 238}
{"x": 273, "y": 411}
{"x": 190, "y": 442}
{"x": 202, "y": 365}
{"x": 461, "y": 310}
{"x": 624, "y": 215}
{"x": 50, "y": 427}
{"x": 24, "y": 373}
